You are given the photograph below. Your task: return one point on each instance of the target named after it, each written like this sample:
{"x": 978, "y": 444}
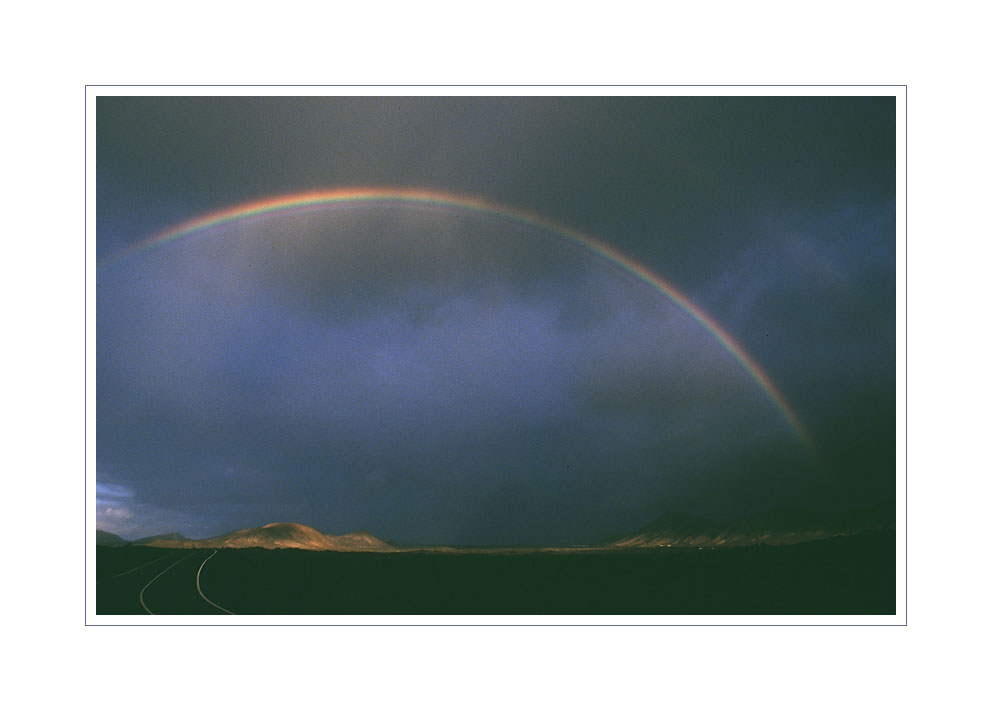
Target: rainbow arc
{"x": 326, "y": 198}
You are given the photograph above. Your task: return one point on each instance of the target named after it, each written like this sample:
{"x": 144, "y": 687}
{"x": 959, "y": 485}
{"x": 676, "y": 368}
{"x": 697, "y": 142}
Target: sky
{"x": 435, "y": 373}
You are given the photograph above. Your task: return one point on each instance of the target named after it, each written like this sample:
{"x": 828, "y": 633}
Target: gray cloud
{"x": 440, "y": 375}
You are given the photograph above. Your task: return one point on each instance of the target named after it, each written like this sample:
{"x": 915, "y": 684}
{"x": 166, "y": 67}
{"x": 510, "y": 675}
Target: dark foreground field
{"x": 848, "y": 575}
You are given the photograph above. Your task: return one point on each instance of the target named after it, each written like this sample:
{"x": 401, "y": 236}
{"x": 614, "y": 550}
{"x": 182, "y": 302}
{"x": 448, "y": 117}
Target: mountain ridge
{"x": 780, "y": 526}
{"x": 282, "y": 535}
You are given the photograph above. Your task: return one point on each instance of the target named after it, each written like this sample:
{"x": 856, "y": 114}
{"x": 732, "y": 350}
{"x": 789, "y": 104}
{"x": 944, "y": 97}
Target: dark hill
{"x": 161, "y": 537}
{"x": 103, "y": 538}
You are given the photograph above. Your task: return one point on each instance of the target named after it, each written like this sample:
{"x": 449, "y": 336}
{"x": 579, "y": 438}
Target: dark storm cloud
{"x": 440, "y": 375}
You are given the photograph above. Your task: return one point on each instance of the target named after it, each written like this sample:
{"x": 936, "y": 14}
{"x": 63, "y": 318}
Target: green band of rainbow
{"x": 441, "y": 199}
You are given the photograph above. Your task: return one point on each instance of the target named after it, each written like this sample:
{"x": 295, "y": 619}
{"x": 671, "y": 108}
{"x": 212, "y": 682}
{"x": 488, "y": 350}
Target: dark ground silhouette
{"x": 843, "y": 575}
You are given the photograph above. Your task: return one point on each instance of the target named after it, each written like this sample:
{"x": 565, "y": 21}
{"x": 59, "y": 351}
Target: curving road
{"x": 169, "y": 583}
{"x": 200, "y": 590}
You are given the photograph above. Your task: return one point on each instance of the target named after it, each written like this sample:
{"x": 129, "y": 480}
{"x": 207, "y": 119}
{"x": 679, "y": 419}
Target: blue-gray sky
{"x": 439, "y": 375}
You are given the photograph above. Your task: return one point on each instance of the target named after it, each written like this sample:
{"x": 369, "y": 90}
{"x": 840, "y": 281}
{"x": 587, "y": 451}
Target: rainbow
{"x": 300, "y": 201}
